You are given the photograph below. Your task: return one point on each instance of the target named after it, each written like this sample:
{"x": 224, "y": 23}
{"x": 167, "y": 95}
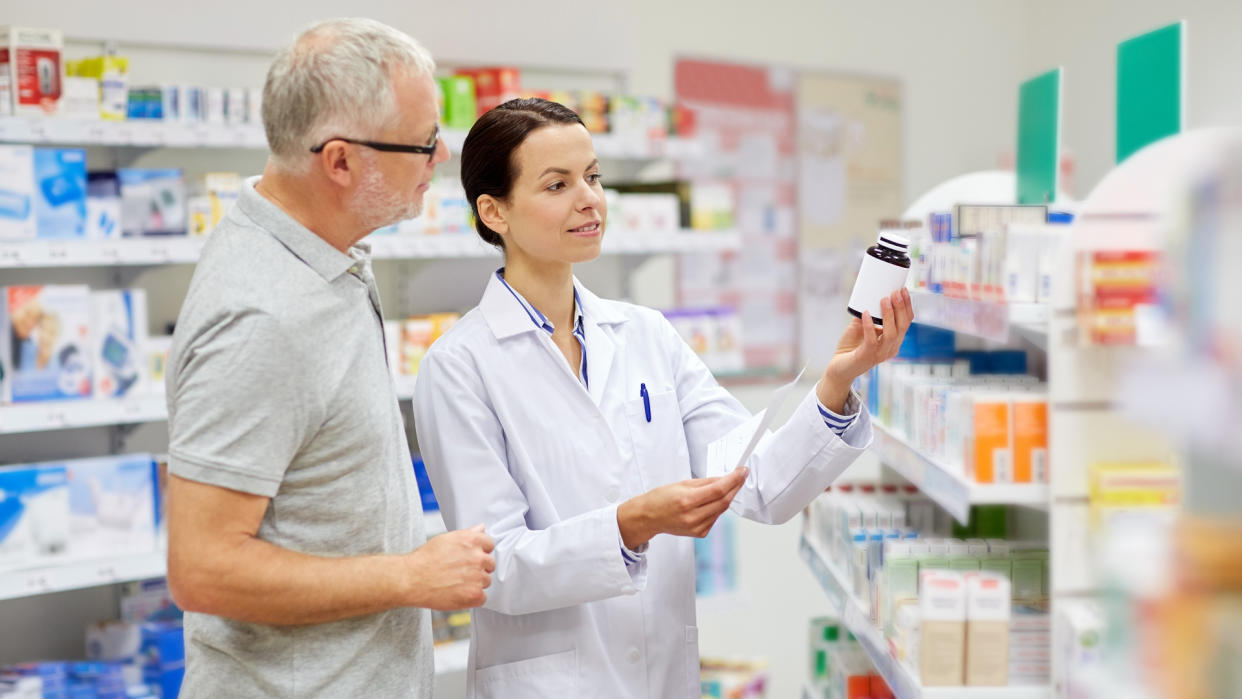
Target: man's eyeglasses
{"x": 428, "y": 150}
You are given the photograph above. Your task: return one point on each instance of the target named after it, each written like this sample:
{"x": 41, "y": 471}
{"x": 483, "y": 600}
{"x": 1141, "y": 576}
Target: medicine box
{"x": 34, "y": 515}
{"x": 45, "y": 338}
{"x": 31, "y": 70}
{"x": 942, "y": 609}
{"x": 60, "y": 192}
{"x": 112, "y": 506}
{"x": 17, "y": 195}
{"x": 152, "y": 202}
{"x": 120, "y": 333}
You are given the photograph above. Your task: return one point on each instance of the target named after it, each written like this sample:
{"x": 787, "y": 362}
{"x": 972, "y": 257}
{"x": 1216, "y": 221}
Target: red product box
{"x": 494, "y": 86}
{"x": 31, "y": 70}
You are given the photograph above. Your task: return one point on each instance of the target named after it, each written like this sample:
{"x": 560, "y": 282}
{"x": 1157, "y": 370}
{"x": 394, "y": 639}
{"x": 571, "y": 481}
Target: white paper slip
{"x": 734, "y": 449}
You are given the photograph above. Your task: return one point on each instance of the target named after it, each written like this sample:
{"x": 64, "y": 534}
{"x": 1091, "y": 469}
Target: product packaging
{"x": 34, "y": 515}
{"x": 120, "y": 331}
{"x": 31, "y": 70}
{"x": 45, "y": 338}
{"x": 60, "y": 192}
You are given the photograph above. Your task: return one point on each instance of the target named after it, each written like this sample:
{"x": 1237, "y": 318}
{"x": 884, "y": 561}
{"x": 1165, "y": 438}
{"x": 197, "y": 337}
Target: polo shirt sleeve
{"x": 240, "y": 404}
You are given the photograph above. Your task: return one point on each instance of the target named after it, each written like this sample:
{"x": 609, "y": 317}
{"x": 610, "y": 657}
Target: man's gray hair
{"x": 335, "y": 79}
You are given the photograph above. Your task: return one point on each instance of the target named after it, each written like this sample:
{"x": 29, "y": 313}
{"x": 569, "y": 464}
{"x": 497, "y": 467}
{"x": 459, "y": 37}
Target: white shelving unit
{"x": 951, "y": 490}
{"x": 173, "y": 250}
{"x": 73, "y": 575}
{"x": 70, "y": 414}
{"x": 900, "y": 679}
{"x": 991, "y": 320}
{"x": 79, "y": 574}
{"x": 160, "y": 134}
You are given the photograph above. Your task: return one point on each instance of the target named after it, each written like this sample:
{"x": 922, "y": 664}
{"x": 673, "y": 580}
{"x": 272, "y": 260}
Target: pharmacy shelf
{"x": 70, "y": 414}
{"x": 138, "y": 133}
{"x": 72, "y": 576}
{"x": 949, "y": 489}
{"x": 172, "y": 134}
{"x": 898, "y": 676}
{"x": 163, "y": 250}
{"x": 990, "y": 320}
{"x": 452, "y": 657}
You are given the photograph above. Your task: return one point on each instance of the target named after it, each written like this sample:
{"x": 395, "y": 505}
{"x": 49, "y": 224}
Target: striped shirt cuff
{"x": 840, "y": 423}
{"x": 631, "y": 556}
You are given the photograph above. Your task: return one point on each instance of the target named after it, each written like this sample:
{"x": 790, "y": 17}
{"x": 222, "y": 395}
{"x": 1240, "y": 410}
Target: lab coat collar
{"x": 506, "y": 317}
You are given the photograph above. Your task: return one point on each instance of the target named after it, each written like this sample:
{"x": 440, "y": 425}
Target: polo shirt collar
{"x": 313, "y": 250}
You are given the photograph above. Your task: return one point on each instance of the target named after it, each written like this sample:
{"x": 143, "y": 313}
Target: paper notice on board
{"x": 734, "y": 449}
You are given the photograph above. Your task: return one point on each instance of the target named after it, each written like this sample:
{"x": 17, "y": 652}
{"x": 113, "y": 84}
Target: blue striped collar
{"x": 536, "y": 317}
{"x": 508, "y": 314}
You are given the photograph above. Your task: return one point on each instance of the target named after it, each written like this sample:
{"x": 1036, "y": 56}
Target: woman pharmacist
{"x": 576, "y": 429}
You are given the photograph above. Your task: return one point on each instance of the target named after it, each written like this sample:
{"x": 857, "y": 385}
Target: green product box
{"x": 997, "y": 565}
{"x": 933, "y": 563}
{"x": 1028, "y": 578}
{"x": 964, "y": 564}
{"x": 990, "y": 521}
{"x": 459, "y": 106}
{"x": 902, "y": 578}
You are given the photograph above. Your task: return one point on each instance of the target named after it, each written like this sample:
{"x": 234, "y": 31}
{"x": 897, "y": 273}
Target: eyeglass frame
{"x": 429, "y": 150}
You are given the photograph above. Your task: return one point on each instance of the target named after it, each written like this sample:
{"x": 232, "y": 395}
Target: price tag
{"x": 39, "y": 131}
{"x": 11, "y": 255}
{"x": 95, "y": 133}
{"x": 58, "y": 252}
{"x": 106, "y": 573}
{"x": 38, "y": 582}
{"x": 124, "y": 134}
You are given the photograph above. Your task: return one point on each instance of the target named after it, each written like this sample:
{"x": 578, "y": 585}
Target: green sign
{"x": 1150, "y": 88}
{"x": 1039, "y": 137}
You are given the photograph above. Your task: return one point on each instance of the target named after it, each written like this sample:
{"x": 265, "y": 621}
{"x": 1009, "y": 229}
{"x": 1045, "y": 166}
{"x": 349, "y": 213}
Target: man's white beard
{"x": 378, "y": 206}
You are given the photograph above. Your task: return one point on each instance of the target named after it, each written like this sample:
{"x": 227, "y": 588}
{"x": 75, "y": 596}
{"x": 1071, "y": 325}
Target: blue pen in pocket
{"x": 642, "y": 391}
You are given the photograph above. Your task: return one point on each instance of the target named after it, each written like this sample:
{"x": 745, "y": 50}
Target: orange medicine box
{"x": 989, "y": 458}
{"x": 1030, "y": 438}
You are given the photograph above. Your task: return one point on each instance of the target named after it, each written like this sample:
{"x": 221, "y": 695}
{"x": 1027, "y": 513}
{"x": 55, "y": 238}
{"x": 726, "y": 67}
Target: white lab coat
{"x": 512, "y": 439}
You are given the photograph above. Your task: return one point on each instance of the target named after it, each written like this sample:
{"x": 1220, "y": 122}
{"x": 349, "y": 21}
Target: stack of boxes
{"x": 975, "y": 412}
{"x": 839, "y": 668}
{"x": 988, "y": 253}
{"x": 893, "y": 542}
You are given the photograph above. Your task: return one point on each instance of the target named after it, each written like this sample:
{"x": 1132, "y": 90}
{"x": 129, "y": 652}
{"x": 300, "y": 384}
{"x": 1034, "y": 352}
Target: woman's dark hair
{"x": 487, "y": 165}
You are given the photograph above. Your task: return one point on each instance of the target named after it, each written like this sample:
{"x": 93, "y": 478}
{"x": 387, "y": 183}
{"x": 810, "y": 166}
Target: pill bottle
{"x": 884, "y": 270}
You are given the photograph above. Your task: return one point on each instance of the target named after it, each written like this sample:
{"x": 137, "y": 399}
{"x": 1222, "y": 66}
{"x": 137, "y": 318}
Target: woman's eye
{"x": 556, "y": 186}
{"x": 594, "y": 178}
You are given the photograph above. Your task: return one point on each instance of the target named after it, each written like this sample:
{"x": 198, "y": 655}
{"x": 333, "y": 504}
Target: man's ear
{"x": 492, "y": 213}
{"x": 337, "y": 164}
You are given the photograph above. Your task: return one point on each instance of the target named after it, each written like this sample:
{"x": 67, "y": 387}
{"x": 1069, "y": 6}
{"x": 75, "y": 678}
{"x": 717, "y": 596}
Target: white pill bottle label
{"x": 876, "y": 279}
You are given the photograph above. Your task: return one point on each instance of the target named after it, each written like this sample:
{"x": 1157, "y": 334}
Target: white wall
{"x": 1083, "y": 37}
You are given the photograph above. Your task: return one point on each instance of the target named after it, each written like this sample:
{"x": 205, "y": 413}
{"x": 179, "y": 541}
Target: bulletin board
{"x": 849, "y": 161}
{"x": 849, "y": 157}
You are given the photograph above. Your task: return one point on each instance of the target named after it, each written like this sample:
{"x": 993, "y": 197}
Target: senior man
{"x": 296, "y": 537}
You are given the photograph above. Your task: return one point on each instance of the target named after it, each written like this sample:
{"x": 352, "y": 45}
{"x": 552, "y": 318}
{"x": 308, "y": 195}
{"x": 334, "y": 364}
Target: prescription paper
{"x": 734, "y": 449}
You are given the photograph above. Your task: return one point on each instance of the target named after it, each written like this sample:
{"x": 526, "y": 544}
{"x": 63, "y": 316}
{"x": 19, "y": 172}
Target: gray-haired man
{"x": 296, "y": 539}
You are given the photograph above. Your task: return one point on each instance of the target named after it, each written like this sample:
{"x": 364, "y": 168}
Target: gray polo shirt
{"x": 278, "y": 386}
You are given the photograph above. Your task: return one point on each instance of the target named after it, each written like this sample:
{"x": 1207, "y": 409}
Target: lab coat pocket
{"x": 692, "y": 661}
{"x": 659, "y": 439}
{"x": 546, "y": 676}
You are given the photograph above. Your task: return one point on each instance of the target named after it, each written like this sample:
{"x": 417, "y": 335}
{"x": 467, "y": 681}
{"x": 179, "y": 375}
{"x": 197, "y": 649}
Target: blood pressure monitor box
{"x": 17, "y": 208}
{"x": 112, "y": 506}
{"x": 34, "y": 515}
{"x": 60, "y": 192}
{"x": 119, "y": 323}
{"x": 45, "y": 339}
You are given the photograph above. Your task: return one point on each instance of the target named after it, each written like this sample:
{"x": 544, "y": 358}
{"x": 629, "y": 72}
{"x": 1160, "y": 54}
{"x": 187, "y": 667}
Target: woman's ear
{"x": 492, "y": 213}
